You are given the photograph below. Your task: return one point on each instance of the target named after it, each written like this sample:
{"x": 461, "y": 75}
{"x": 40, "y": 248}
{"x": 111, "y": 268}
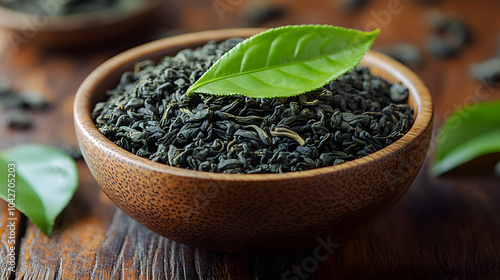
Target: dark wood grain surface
{"x": 442, "y": 228}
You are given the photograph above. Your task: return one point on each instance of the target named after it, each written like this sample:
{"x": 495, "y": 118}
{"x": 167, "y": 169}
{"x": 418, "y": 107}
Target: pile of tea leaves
{"x": 149, "y": 114}
{"x": 68, "y": 7}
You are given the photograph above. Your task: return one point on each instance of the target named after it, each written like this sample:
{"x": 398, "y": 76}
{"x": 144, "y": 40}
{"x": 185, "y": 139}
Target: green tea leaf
{"x": 44, "y": 183}
{"x": 286, "y": 61}
{"x": 467, "y": 133}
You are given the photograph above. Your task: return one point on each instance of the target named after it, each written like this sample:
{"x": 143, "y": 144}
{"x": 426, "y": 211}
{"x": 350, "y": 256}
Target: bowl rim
{"x": 83, "y": 122}
{"x": 16, "y": 20}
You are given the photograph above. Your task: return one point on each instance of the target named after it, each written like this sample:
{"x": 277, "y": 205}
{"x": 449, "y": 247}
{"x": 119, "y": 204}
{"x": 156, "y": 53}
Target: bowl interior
{"x": 107, "y": 77}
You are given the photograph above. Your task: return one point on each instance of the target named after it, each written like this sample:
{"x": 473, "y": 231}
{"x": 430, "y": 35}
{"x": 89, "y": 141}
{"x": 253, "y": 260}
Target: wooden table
{"x": 442, "y": 228}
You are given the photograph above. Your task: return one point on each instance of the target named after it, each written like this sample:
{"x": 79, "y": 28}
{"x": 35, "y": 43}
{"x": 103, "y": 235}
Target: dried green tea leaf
{"x": 286, "y": 61}
{"x": 40, "y": 181}
{"x": 467, "y": 133}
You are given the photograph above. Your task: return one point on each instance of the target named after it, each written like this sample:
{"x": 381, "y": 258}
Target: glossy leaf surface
{"x": 468, "y": 133}
{"x": 286, "y": 61}
{"x": 44, "y": 182}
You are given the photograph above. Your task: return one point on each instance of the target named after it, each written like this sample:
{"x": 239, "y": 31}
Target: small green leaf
{"x": 469, "y": 132}
{"x": 286, "y": 61}
{"x": 45, "y": 181}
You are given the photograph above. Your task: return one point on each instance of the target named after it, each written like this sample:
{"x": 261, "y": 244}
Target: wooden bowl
{"x": 250, "y": 213}
{"x": 75, "y": 30}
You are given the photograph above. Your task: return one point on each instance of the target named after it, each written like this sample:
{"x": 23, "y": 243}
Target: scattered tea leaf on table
{"x": 468, "y": 133}
{"x": 286, "y": 61}
{"x": 45, "y": 181}
{"x": 263, "y": 12}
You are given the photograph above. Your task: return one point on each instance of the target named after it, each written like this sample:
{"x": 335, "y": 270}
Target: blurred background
{"x": 447, "y": 225}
